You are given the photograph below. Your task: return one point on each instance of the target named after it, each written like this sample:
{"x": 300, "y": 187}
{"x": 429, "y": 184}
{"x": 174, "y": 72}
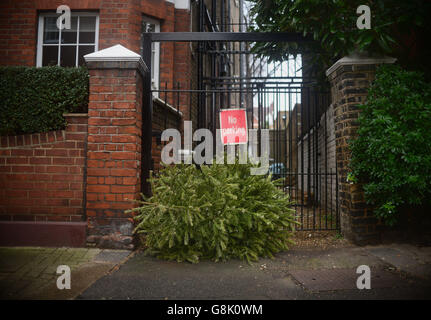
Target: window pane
{"x": 49, "y": 55}
{"x": 69, "y": 35}
{"x": 153, "y": 60}
{"x": 148, "y": 27}
{"x": 87, "y": 29}
{"x": 68, "y": 56}
{"x": 151, "y": 27}
{"x": 83, "y": 50}
{"x": 51, "y": 32}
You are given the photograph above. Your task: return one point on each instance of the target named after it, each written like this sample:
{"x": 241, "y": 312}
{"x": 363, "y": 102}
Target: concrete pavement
{"x": 397, "y": 272}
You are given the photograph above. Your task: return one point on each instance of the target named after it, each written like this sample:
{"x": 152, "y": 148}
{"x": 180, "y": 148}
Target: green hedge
{"x": 391, "y": 156}
{"x": 34, "y": 99}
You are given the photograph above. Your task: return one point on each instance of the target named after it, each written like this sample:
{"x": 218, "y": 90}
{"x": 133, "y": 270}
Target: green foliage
{"x": 214, "y": 212}
{"x": 34, "y": 99}
{"x": 395, "y": 24}
{"x": 338, "y": 236}
{"x": 392, "y": 154}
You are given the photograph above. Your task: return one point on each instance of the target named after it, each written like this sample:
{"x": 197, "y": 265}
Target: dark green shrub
{"x": 215, "y": 212}
{"x": 34, "y": 99}
{"x": 391, "y": 156}
{"x": 395, "y": 26}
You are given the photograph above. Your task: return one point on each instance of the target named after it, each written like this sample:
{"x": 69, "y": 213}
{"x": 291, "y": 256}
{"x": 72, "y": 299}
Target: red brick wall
{"x": 18, "y": 24}
{"x": 42, "y": 174}
{"x": 120, "y": 23}
{"x": 31, "y": 187}
{"x": 114, "y": 137}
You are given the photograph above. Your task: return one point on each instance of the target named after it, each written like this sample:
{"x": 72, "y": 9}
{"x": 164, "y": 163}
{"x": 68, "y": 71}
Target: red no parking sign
{"x": 233, "y": 125}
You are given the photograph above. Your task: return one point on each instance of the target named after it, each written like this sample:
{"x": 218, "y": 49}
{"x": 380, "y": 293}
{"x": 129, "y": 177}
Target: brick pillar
{"x": 350, "y": 78}
{"x": 114, "y": 144}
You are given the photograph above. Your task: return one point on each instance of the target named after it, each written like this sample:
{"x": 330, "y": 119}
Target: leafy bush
{"x": 216, "y": 212}
{"x": 34, "y": 99}
{"x": 392, "y": 153}
{"x": 396, "y": 27}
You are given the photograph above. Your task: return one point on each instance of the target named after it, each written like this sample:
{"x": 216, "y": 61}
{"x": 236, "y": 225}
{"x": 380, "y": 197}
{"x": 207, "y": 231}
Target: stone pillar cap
{"x": 115, "y": 53}
{"x": 359, "y": 58}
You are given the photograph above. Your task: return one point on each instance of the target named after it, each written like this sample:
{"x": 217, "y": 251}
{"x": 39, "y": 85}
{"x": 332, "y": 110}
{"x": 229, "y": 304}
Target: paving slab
{"x": 113, "y": 256}
{"x": 345, "y": 279}
{"x": 144, "y": 277}
{"x": 407, "y": 293}
{"x": 31, "y": 273}
{"x": 315, "y": 259}
{"x": 407, "y": 258}
{"x": 12, "y": 260}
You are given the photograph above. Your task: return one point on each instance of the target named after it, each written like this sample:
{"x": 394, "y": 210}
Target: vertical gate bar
{"x": 241, "y": 56}
{"x": 259, "y": 102}
{"x": 214, "y": 14}
{"x": 199, "y": 71}
{"x": 319, "y": 176}
{"x": 222, "y": 21}
{"x": 147, "y": 114}
{"x": 315, "y": 158}
{"x": 273, "y": 126}
{"x": 337, "y": 212}
{"x": 290, "y": 140}
{"x": 318, "y": 157}
{"x": 337, "y": 208}
{"x": 326, "y": 169}
{"x": 309, "y": 150}
{"x": 252, "y": 109}
{"x": 178, "y": 96}
{"x": 331, "y": 199}
{"x": 231, "y": 58}
{"x": 265, "y": 108}
{"x": 277, "y": 138}
{"x": 279, "y": 131}
{"x": 262, "y": 115}
{"x": 259, "y": 128}
{"x": 282, "y": 132}
{"x": 320, "y": 189}
{"x": 213, "y": 94}
{"x": 302, "y": 152}
{"x": 165, "y": 118}
{"x": 190, "y": 101}
{"x": 280, "y": 124}
{"x": 297, "y": 124}
{"x": 285, "y": 145}
{"x": 259, "y": 115}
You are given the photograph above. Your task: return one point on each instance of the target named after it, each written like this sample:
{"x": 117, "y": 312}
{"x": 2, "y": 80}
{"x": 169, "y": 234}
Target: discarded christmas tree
{"x": 214, "y": 212}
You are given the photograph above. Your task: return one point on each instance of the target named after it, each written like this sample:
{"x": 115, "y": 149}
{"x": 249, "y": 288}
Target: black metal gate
{"x": 277, "y": 96}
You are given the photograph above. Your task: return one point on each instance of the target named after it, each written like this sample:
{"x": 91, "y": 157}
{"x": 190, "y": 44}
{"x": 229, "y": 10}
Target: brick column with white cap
{"x": 114, "y": 144}
{"x": 350, "y": 79}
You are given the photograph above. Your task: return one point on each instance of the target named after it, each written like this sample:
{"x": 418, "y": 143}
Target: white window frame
{"x": 155, "y": 81}
{"x": 41, "y": 26}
